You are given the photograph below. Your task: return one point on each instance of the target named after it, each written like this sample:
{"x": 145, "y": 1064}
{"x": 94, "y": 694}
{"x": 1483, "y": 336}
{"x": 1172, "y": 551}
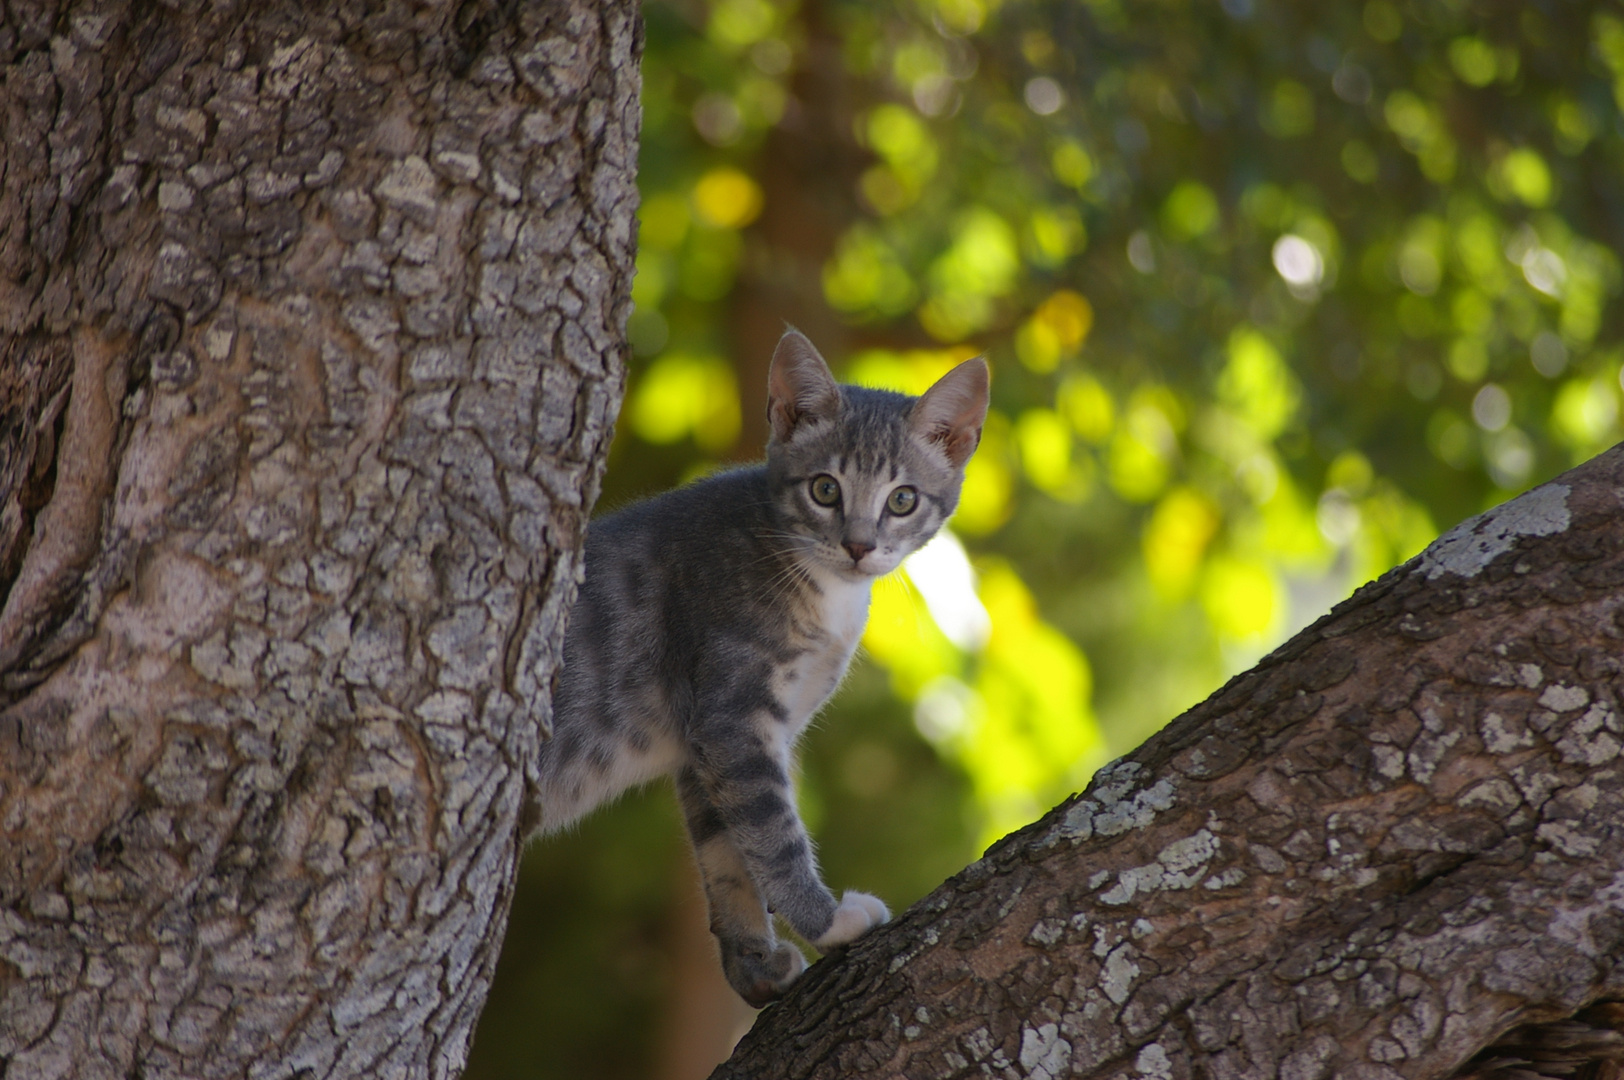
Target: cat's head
{"x": 863, "y": 478}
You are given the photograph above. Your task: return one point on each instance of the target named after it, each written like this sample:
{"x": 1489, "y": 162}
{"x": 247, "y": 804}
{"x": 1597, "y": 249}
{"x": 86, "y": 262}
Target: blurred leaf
{"x": 727, "y": 198}
{"x": 737, "y": 23}
{"x": 1289, "y": 112}
{"x": 986, "y": 501}
{"x": 1241, "y": 597}
{"x": 1175, "y": 541}
{"x": 911, "y": 372}
{"x": 1474, "y": 60}
{"x": 684, "y": 396}
{"x": 1526, "y": 176}
{"x": 1257, "y": 384}
{"x": 1271, "y": 291}
{"x": 980, "y": 266}
{"x": 865, "y": 277}
{"x": 1088, "y": 405}
{"x": 1191, "y": 210}
{"x": 1035, "y": 738}
{"x": 1045, "y": 439}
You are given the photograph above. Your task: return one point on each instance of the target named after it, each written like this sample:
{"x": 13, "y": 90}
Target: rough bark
{"x": 313, "y": 327}
{"x": 1397, "y": 837}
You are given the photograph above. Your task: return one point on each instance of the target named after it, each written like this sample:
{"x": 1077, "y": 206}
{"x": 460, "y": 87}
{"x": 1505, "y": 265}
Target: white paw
{"x": 857, "y": 914}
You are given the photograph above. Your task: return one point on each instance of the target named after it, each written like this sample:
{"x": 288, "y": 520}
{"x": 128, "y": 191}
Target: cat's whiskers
{"x": 792, "y": 555}
{"x": 905, "y": 582}
{"x": 791, "y": 572}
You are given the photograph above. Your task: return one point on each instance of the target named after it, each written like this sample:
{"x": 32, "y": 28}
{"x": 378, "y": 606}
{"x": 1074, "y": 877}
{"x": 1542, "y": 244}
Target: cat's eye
{"x": 825, "y": 490}
{"x": 902, "y": 501}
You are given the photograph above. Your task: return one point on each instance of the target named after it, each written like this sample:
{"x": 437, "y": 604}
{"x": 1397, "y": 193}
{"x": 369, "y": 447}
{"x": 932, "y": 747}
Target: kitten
{"x": 714, "y": 620}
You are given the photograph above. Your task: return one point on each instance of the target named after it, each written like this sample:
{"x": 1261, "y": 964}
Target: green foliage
{"x": 684, "y": 396}
{"x": 1271, "y": 293}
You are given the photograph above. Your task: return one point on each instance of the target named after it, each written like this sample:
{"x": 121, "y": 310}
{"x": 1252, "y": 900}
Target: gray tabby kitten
{"x": 714, "y": 620}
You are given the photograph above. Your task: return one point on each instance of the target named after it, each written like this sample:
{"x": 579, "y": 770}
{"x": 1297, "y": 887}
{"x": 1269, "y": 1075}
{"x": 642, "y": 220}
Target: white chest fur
{"x": 840, "y": 614}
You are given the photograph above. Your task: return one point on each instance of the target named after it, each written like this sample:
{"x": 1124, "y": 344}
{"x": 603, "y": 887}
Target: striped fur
{"x": 716, "y": 619}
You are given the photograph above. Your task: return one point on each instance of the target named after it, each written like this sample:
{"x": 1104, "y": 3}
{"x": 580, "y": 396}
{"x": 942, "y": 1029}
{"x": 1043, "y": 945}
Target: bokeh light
{"x": 1270, "y": 294}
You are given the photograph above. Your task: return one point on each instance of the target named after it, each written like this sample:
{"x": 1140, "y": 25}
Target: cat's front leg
{"x": 758, "y": 966}
{"x": 745, "y": 777}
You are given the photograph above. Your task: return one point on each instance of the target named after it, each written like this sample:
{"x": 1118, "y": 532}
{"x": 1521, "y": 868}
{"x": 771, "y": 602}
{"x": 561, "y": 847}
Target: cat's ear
{"x": 799, "y": 386}
{"x": 951, "y": 412}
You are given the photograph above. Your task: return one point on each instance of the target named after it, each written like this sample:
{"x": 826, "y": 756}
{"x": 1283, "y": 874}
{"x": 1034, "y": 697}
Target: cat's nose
{"x": 856, "y": 550}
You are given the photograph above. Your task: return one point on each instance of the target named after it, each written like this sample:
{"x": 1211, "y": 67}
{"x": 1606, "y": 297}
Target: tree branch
{"x": 1398, "y": 836}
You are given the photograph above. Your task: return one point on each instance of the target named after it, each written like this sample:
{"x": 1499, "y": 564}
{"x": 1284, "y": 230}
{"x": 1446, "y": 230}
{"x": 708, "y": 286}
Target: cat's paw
{"x": 857, "y": 914}
{"x": 760, "y": 976}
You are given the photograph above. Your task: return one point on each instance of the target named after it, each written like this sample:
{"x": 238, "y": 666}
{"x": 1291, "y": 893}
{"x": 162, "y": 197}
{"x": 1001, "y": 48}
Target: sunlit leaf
{"x": 986, "y": 501}
{"x": 728, "y": 198}
{"x": 1474, "y": 60}
{"x": 1585, "y": 414}
{"x": 1056, "y": 234}
{"x": 685, "y": 395}
{"x": 1072, "y": 164}
{"x": 902, "y": 635}
{"x": 1038, "y": 346}
{"x": 1044, "y": 440}
{"x": 865, "y": 276}
{"x": 1088, "y": 405}
{"x": 1257, "y": 384}
{"x": 897, "y": 134}
{"x": 1037, "y": 737}
{"x": 1191, "y": 210}
{"x": 1526, "y": 176}
{"x": 1242, "y": 597}
{"x": 912, "y": 372}
{"x": 1421, "y": 129}
{"x": 1135, "y": 467}
{"x": 982, "y": 261}
{"x": 1351, "y": 472}
{"x": 664, "y": 218}
{"x": 735, "y": 24}
{"x": 1175, "y": 540}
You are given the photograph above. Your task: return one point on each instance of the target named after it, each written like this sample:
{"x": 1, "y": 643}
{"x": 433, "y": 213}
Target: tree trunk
{"x": 313, "y": 332}
{"x": 1398, "y": 836}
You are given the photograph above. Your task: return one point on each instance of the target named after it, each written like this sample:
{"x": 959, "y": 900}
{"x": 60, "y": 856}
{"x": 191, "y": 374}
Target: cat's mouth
{"x": 867, "y": 568}
{"x": 870, "y": 563}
